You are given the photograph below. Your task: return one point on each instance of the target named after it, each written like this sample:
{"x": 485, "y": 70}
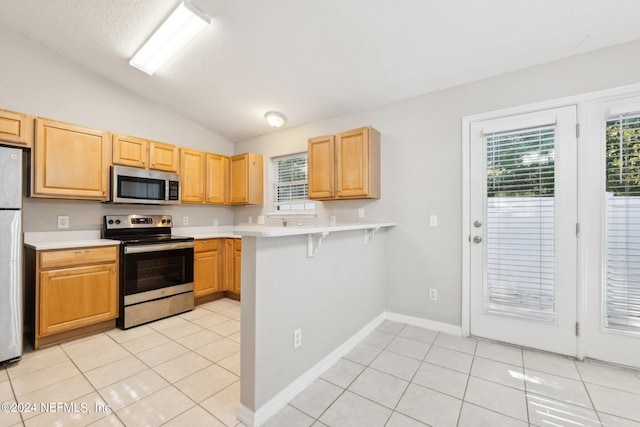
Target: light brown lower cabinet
{"x": 216, "y": 269}
{"x": 207, "y": 263}
{"x": 74, "y": 293}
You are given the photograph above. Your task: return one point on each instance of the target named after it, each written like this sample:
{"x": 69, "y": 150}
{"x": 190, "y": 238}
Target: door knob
{"x": 477, "y": 239}
{"x": 477, "y": 224}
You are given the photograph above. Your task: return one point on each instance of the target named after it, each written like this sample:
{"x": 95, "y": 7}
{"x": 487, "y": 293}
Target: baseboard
{"x": 424, "y": 323}
{"x": 245, "y": 415}
{"x": 279, "y": 401}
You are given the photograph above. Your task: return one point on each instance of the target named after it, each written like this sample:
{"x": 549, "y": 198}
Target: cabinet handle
{"x": 143, "y": 162}
{"x": 104, "y": 190}
{"x": 81, "y": 252}
{"x": 113, "y": 270}
{"x": 331, "y": 190}
{"x": 153, "y": 163}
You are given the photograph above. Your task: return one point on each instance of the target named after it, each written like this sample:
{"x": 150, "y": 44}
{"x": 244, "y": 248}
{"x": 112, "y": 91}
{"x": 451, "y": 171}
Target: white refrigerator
{"x": 11, "y": 276}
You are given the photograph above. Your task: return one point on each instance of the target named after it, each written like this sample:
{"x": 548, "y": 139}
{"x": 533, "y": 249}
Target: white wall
{"x": 421, "y": 168}
{"x": 39, "y": 82}
{"x": 330, "y": 297}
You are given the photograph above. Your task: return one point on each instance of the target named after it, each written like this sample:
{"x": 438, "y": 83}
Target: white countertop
{"x": 293, "y": 230}
{"x": 46, "y": 240}
{"x": 205, "y": 232}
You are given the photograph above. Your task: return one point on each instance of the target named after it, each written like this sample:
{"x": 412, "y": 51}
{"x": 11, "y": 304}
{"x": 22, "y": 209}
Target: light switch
{"x": 433, "y": 221}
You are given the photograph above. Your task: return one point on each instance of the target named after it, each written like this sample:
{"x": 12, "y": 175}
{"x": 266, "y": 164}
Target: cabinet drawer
{"x": 78, "y": 256}
{"x": 206, "y": 245}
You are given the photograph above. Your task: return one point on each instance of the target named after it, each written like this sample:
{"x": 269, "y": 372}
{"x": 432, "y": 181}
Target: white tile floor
{"x": 185, "y": 371}
{"x": 404, "y": 376}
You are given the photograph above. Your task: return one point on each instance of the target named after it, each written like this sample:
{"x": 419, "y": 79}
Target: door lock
{"x": 477, "y": 224}
{"x": 477, "y": 239}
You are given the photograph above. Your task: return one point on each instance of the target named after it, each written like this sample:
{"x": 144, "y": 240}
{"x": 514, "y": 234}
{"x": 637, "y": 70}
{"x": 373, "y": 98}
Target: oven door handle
{"x": 138, "y": 249}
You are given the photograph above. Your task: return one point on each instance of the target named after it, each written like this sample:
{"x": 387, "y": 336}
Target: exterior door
{"x": 523, "y": 214}
{"x": 610, "y": 222}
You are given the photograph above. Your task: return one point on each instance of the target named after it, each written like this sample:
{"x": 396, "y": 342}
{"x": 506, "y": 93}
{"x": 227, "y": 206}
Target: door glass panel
{"x": 622, "y": 290}
{"x": 520, "y": 231}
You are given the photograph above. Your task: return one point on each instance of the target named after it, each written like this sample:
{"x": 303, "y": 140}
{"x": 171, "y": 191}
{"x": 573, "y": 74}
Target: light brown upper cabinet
{"x": 247, "y": 183}
{"x": 217, "y": 179}
{"x": 204, "y": 177}
{"x": 192, "y": 165}
{"x": 16, "y": 128}
{"x": 70, "y": 161}
{"x": 142, "y": 153}
{"x": 345, "y": 166}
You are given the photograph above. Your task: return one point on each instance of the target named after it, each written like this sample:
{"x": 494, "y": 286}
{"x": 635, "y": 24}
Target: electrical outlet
{"x": 433, "y": 221}
{"x": 63, "y": 221}
{"x": 185, "y": 220}
{"x": 260, "y": 219}
{"x": 433, "y": 294}
{"x": 250, "y": 220}
{"x": 297, "y": 338}
{"x": 215, "y": 222}
{"x": 333, "y": 220}
{"x": 360, "y": 212}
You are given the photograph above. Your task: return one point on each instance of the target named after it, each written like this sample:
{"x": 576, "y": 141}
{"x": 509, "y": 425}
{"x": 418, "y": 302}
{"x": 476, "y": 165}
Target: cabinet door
{"x": 130, "y": 151}
{"x": 206, "y": 274}
{"x": 321, "y": 167}
{"x": 247, "y": 186}
{"x": 352, "y": 163}
{"x": 239, "y": 179}
{"x": 192, "y": 177}
{"x": 237, "y": 265}
{"x": 164, "y": 157}
{"x": 16, "y": 128}
{"x": 206, "y": 265}
{"x": 229, "y": 271}
{"x": 75, "y": 297}
{"x": 71, "y": 161}
{"x": 217, "y": 181}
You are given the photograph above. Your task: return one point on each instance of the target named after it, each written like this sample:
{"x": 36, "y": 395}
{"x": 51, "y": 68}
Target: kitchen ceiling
{"x": 315, "y": 59}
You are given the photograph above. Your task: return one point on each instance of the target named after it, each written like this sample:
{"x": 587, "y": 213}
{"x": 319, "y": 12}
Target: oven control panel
{"x": 136, "y": 221}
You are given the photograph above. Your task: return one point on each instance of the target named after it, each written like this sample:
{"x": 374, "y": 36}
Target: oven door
{"x": 155, "y": 267}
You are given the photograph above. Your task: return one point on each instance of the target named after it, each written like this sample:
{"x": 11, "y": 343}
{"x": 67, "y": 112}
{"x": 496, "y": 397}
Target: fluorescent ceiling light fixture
{"x": 179, "y": 28}
{"x": 275, "y": 119}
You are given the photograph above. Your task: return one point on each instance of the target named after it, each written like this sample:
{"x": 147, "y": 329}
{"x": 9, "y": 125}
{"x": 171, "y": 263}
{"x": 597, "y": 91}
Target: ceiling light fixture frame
{"x": 184, "y": 23}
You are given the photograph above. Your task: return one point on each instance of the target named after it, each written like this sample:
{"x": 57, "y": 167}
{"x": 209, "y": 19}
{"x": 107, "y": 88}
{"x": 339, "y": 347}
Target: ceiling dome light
{"x": 275, "y": 119}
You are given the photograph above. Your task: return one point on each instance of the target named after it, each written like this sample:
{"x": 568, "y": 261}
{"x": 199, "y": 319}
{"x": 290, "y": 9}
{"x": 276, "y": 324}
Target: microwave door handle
{"x": 157, "y": 247}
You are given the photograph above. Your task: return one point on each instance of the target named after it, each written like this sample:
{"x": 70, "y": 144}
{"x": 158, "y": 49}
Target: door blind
{"x": 622, "y": 289}
{"x": 520, "y": 232}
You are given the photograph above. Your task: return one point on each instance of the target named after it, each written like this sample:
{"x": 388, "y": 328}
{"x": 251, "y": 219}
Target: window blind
{"x": 520, "y": 231}
{"x": 290, "y": 181}
{"x": 622, "y": 288}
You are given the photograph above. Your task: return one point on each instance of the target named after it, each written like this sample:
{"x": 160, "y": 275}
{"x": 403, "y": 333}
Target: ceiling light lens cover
{"x": 275, "y": 119}
{"x": 179, "y": 28}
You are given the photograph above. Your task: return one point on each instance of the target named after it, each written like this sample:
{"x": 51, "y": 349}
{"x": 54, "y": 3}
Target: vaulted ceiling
{"x": 315, "y": 59}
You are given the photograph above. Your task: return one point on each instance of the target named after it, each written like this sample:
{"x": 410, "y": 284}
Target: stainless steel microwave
{"x": 133, "y": 185}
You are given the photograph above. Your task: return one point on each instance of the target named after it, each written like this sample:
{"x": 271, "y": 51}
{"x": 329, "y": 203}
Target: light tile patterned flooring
{"x": 185, "y": 371}
{"x": 179, "y": 371}
{"x": 405, "y": 376}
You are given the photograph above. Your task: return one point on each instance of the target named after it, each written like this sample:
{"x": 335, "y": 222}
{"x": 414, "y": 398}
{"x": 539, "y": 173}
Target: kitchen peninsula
{"x": 325, "y": 284}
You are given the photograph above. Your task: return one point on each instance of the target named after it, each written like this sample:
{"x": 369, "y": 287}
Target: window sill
{"x": 291, "y": 214}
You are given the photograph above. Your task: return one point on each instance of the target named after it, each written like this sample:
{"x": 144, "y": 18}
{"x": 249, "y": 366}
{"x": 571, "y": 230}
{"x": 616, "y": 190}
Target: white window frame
{"x": 309, "y": 206}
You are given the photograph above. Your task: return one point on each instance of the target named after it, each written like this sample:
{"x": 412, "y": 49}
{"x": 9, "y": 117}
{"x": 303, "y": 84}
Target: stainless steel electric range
{"x": 156, "y": 268}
